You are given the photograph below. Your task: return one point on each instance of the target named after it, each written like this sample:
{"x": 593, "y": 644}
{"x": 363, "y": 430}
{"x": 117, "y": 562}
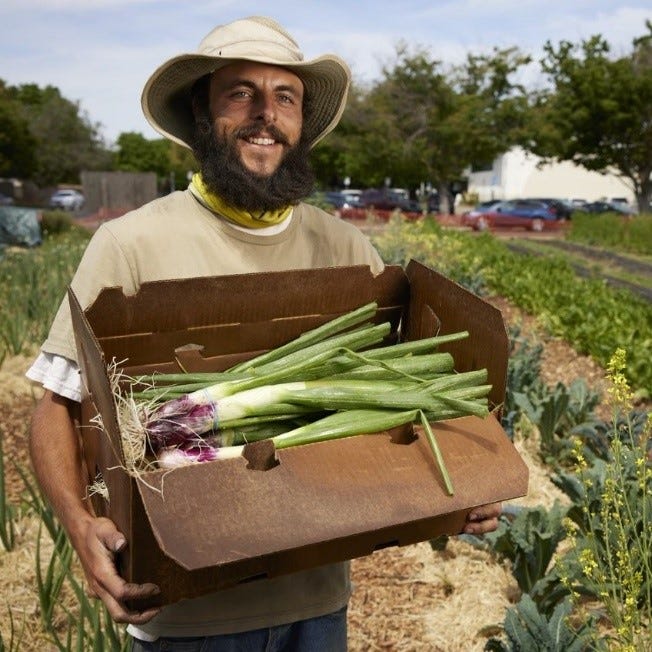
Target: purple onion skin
{"x": 179, "y": 422}
{"x": 175, "y": 457}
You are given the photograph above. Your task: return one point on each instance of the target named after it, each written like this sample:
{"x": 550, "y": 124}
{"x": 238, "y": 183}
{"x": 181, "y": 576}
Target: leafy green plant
{"x": 528, "y": 630}
{"x": 557, "y": 412}
{"x": 50, "y": 583}
{"x": 55, "y": 222}
{"x": 523, "y": 375}
{"x": 15, "y": 637}
{"x": 87, "y": 627}
{"x": 7, "y": 511}
{"x": 598, "y": 435}
{"x": 529, "y": 540}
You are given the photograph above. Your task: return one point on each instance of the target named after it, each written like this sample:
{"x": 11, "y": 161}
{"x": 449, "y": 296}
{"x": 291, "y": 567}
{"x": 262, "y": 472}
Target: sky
{"x": 99, "y": 53}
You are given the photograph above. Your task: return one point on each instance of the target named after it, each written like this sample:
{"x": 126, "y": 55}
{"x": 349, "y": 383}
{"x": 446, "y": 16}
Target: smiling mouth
{"x": 261, "y": 141}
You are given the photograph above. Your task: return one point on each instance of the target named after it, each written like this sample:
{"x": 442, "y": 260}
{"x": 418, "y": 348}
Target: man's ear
{"x": 200, "y": 98}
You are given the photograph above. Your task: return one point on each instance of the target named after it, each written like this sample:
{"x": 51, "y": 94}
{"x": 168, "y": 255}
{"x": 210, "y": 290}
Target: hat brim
{"x": 167, "y": 104}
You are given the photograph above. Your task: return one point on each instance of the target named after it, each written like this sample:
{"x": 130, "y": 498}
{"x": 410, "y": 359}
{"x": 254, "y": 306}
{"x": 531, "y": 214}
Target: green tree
{"x": 170, "y": 162}
{"x": 598, "y": 113}
{"x": 138, "y": 154}
{"x": 17, "y": 145}
{"x": 422, "y": 122}
{"x": 66, "y": 141}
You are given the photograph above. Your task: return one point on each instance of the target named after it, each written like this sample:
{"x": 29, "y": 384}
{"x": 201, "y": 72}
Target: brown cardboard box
{"x": 212, "y": 525}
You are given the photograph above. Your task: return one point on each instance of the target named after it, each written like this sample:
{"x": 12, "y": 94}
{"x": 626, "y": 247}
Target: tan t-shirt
{"x": 177, "y": 237}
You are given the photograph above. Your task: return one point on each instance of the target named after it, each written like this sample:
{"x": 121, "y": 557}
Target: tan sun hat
{"x": 166, "y": 96}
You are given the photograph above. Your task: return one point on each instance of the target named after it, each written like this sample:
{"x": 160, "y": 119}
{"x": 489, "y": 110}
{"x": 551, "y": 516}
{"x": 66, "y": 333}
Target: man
{"x": 250, "y": 108}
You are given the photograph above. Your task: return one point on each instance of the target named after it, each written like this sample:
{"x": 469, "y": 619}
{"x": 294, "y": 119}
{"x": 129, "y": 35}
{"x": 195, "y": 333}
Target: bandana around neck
{"x": 236, "y": 215}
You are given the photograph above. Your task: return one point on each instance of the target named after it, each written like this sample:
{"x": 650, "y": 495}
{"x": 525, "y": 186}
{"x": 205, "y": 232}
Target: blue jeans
{"x": 321, "y": 634}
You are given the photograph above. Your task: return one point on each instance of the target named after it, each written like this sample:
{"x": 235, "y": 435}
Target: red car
{"x": 524, "y": 214}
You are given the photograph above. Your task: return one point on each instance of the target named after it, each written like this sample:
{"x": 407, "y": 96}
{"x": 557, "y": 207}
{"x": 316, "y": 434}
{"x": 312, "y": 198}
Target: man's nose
{"x": 265, "y": 108}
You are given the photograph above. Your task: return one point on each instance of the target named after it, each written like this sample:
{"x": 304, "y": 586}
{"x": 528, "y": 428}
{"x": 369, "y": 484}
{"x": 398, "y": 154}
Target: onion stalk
{"x": 336, "y": 380}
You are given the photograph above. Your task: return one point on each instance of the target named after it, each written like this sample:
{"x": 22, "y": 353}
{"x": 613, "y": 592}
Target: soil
{"x": 411, "y": 598}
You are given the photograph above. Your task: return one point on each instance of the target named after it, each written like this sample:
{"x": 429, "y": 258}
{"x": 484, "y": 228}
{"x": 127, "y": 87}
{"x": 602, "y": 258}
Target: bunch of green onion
{"x": 333, "y": 381}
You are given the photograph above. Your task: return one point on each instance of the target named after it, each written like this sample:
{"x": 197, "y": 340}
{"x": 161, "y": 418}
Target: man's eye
{"x": 240, "y": 94}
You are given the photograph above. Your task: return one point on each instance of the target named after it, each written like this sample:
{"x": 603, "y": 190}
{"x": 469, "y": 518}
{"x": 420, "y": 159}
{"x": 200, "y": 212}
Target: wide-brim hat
{"x": 166, "y": 98}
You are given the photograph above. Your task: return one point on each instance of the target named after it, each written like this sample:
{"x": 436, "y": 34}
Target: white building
{"x": 517, "y": 174}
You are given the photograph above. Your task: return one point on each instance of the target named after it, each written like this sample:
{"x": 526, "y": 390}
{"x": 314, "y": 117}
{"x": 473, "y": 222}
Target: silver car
{"x": 68, "y": 199}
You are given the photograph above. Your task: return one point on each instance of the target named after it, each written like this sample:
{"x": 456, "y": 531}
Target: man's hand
{"x": 57, "y": 460}
{"x": 97, "y": 553}
{"x": 483, "y": 519}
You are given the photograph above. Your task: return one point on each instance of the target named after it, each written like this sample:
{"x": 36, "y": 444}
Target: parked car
{"x": 387, "y": 200}
{"x": 609, "y": 207}
{"x": 562, "y": 208}
{"x": 578, "y": 204}
{"x": 482, "y": 207}
{"x": 352, "y": 194}
{"x": 521, "y": 213}
{"x": 69, "y": 199}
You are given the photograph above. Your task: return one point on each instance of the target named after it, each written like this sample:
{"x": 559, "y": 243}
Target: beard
{"x": 225, "y": 175}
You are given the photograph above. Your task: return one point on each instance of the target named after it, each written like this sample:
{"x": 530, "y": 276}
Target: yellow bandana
{"x": 236, "y": 215}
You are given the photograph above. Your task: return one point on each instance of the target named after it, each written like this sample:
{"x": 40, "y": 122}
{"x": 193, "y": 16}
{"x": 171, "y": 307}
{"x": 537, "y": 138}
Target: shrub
{"x": 57, "y": 222}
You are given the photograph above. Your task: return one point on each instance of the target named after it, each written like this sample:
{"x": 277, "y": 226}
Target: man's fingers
{"x": 121, "y": 614}
{"x": 120, "y": 597}
{"x": 483, "y": 519}
{"x": 110, "y": 537}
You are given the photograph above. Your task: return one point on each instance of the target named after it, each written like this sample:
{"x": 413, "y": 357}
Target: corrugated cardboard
{"x": 199, "y": 528}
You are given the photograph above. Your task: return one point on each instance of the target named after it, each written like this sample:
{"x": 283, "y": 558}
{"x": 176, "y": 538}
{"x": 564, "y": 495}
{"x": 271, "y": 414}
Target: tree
{"x": 599, "y": 112}
{"x": 424, "y": 123}
{"x": 17, "y": 145}
{"x": 170, "y": 162}
{"x": 66, "y": 141}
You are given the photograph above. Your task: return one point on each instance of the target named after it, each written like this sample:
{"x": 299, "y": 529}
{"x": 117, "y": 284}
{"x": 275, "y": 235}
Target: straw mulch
{"x": 405, "y": 599}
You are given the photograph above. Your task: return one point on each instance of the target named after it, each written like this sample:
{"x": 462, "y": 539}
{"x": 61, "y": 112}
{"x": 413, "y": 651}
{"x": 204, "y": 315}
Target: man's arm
{"x": 57, "y": 460}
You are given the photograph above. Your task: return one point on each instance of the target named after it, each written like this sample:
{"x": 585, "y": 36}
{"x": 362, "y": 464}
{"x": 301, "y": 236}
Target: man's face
{"x": 258, "y": 109}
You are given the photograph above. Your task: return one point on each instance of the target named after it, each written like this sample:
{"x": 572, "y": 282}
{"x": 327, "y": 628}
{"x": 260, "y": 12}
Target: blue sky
{"x": 100, "y": 52}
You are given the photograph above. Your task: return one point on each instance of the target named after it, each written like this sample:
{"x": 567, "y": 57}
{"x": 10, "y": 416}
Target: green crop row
{"x": 628, "y": 234}
{"x": 32, "y": 284}
{"x": 593, "y": 317}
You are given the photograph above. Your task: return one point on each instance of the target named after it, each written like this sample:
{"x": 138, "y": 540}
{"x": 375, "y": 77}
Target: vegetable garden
{"x": 580, "y": 566}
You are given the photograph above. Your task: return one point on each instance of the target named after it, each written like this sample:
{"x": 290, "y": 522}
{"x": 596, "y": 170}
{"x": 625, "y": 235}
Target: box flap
{"x": 95, "y": 381}
{"x": 328, "y": 491}
{"x": 440, "y": 305}
{"x": 286, "y": 303}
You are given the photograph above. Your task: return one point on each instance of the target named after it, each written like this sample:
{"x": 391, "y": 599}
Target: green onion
{"x": 314, "y": 336}
{"x": 333, "y": 381}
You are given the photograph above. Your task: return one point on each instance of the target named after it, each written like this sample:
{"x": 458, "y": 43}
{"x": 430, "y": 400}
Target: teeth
{"x": 262, "y": 141}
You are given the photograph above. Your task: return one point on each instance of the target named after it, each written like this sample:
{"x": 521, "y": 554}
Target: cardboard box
{"x": 212, "y": 525}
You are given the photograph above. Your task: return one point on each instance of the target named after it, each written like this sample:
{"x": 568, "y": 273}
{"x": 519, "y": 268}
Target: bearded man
{"x": 251, "y": 108}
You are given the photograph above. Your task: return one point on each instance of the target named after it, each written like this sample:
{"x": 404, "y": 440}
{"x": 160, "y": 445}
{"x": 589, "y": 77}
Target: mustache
{"x": 251, "y": 131}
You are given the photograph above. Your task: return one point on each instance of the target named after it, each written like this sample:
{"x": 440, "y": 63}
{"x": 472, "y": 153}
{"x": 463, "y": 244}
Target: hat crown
{"x": 255, "y": 36}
